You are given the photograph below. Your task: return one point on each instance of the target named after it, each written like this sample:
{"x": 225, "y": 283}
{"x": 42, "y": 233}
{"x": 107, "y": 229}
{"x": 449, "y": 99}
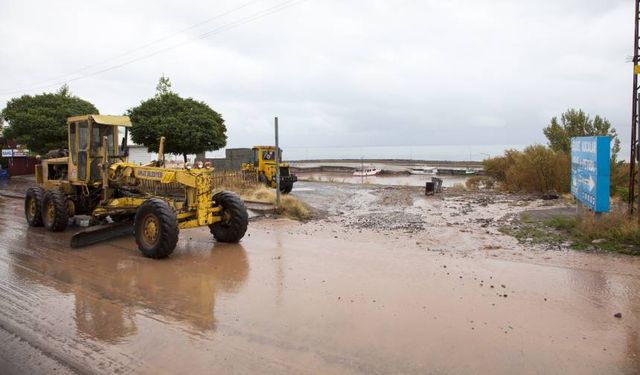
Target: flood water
{"x": 308, "y": 298}
{"x": 391, "y": 180}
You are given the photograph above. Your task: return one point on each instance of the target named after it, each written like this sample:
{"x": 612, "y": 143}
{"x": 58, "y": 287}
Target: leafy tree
{"x": 39, "y": 121}
{"x": 576, "y": 123}
{"x": 163, "y": 86}
{"x": 189, "y": 126}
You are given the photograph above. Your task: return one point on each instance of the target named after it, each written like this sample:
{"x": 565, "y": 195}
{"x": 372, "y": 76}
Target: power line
{"x": 136, "y": 49}
{"x": 231, "y": 25}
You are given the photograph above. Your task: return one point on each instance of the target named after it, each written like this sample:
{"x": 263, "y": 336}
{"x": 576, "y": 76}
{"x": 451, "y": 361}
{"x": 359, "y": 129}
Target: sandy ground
{"x": 385, "y": 281}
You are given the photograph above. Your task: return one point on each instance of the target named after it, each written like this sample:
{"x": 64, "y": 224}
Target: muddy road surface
{"x": 440, "y": 293}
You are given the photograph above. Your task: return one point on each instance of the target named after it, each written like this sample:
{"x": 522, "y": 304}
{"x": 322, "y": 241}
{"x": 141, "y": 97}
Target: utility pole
{"x": 278, "y": 167}
{"x": 634, "y": 111}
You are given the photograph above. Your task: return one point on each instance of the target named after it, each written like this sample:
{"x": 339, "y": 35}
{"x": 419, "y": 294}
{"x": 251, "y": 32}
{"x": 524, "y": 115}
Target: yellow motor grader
{"x": 263, "y": 162}
{"x": 152, "y": 201}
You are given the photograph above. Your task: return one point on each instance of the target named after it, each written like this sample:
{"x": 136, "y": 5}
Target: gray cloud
{"x": 342, "y": 72}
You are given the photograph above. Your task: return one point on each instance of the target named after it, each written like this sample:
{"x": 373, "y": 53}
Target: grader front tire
{"x": 286, "y": 187}
{"x": 55, "y": 210}
{"x": 156, "y": 229}
{"x": 234, "y": 218}
{"x": 33, "y": 206}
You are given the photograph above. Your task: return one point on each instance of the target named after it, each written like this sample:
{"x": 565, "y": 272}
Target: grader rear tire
{"x": 33, "y": 206}
{"x": 234, "y": 218}
{"x": 55, "y": 210}
{"x": 156, "y": 229}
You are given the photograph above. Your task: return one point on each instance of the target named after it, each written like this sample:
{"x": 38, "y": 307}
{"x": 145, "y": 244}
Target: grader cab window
{"x": 83, "y": 145}
{"x": 83, "y": 135}
{"x": 268, "y": 155}
{"x": 72, "y": 143}
{"x": 97, "y": 133}
{"x": 256, "y": 162}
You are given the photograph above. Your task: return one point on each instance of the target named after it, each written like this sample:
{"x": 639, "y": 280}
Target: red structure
{"x": 17, "y": 162}
{"x": 21, "y": 165}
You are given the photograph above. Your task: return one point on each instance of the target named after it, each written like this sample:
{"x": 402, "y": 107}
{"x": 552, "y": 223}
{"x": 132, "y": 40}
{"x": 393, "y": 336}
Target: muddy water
{"x": 393, "y": 180}
{"x": 308, "y": 298}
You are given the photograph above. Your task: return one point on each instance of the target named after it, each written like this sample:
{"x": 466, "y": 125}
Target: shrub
{"x": 620, "y": 180}
{"x": 537, "y": 169}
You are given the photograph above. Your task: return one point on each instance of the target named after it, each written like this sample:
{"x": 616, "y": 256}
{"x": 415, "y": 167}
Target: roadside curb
{"x": 261, "y": 208}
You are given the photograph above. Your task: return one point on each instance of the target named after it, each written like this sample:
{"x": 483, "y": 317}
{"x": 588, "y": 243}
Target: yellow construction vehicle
{"x": 263, "y": 162}
{"x": 149, "y": 200}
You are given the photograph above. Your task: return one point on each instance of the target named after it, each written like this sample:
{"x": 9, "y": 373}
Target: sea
{"x": 440, "y": 152}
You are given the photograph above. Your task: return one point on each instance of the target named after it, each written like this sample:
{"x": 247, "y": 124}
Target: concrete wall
{"x": 234, "y": 157}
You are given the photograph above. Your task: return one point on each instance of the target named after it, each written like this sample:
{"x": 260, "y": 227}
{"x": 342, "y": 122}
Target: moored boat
{"x": 423, "y": 170}
{"x": 367, "y": 171}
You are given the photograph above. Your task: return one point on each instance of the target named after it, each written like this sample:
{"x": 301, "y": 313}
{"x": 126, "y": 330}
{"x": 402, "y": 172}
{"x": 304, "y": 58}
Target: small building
{"x": 138, "y": 154}
{"x": 234, "y": 158}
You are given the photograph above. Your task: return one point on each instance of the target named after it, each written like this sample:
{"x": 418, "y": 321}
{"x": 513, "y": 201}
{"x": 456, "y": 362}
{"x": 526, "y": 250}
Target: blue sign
{"x": 590, "y": 171}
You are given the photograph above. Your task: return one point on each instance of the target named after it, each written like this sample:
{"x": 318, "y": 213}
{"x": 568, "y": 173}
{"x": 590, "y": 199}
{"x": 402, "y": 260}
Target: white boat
{"x": 470, "y": 171}
{"x": 424, "y": 170}
{"x": 367, "y": 171}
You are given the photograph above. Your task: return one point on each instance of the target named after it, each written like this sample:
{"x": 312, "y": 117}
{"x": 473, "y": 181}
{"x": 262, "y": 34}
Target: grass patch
{"x": 290, "y": 206}
{"x": 533, "y": 232}
{"x": 614, "y": 231}
{"x": 294, "y": 208}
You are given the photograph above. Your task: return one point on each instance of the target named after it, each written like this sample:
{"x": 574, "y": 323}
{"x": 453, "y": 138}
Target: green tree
{"x": 576, "y": 123}
{"x": 189, "y": 126}
{"x": 38, "y": 122}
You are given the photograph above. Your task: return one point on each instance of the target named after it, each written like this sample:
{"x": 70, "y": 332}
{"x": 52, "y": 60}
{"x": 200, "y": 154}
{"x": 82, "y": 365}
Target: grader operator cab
{"x": 151, "y": 201}
{"x": 263, "y": 162}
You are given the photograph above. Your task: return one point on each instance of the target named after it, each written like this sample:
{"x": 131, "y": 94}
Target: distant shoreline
{"x": 387, "y": 166}
{"x": 407, "y": 162}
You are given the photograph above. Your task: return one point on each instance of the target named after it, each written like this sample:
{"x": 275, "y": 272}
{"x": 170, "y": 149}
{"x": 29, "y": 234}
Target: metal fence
{"x": 235, "y": 180}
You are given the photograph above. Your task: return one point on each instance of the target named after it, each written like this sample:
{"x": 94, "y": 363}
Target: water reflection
{"x": 601, "y": 289}
{"x": 111, "y": 291}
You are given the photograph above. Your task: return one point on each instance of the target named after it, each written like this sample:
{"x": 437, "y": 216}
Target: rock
{"x": 599, "y": 240}
{"x": 618, "y": 315}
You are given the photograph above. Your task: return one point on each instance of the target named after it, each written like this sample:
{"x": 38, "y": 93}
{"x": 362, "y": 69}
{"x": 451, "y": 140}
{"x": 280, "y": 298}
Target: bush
{"x": 537, "y": 169}
{"x": 620, "y": 180}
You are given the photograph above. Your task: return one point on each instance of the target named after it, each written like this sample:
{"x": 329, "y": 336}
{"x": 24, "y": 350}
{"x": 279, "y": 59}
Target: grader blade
{"x": 100, "y": 233}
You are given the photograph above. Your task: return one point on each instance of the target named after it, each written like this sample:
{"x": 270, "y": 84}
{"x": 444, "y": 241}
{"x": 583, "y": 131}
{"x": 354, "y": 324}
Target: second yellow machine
{"x": 263, "y": 162}
{"x": 95, "y": 179}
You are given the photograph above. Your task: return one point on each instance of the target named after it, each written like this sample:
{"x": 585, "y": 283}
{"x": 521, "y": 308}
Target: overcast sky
{"x": 337, "y": 73}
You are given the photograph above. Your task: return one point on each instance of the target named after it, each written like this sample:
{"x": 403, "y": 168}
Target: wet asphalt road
{"x": 307, "y": 298}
